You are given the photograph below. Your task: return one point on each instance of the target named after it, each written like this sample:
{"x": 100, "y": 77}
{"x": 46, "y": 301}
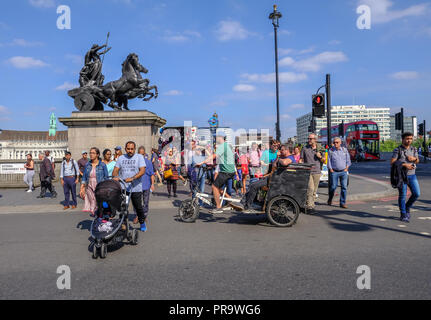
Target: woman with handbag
{"x": 170, "y": 173}
{"x": 94, "y": 172}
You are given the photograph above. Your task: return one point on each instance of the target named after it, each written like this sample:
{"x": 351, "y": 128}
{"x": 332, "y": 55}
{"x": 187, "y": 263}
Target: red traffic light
{"x": 318, "y": 100}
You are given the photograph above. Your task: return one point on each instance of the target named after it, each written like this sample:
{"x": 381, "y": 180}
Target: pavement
{"x": 19, "y": 201}
{"x": 229, "y": 256}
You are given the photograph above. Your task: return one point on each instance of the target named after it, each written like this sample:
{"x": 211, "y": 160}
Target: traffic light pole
{"x": 328, "y": 114}
{"x": 328, "y": 108}
{"x": 402, "y": 121}
{"x": 425, "y": 143}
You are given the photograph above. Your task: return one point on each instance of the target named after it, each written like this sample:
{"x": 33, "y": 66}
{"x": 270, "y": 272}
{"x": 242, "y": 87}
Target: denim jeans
{"x": 199, "y": 179}
{"x": 415, "y": 190}
{"x": 333, "y": 179}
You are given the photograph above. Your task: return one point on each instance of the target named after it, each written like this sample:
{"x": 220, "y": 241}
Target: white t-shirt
{"x": 129, "y": 167}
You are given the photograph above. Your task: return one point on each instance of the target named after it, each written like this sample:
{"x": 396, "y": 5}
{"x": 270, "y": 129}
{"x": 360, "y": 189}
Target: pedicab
{"x": 282, "y": 200}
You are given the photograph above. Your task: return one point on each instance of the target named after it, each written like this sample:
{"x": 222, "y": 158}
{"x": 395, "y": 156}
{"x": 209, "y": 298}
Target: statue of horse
{"x": 131, "y": 85}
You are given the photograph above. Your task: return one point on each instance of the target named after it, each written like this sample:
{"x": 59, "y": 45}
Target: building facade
{"x": 204, "y": 135}
{"x": 15, "y": 145}
{"x": 347, "y": 114}
{"x": 410, "y": 125}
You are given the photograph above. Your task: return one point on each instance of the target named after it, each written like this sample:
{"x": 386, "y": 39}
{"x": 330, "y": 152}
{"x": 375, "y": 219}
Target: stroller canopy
{"x": 109, "y": 191}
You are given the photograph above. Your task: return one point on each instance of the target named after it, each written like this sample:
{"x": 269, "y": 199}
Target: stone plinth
{"x": 108, "y": 129}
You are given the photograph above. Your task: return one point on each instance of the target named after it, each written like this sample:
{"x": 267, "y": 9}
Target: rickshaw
{"x": 281, "y": 200}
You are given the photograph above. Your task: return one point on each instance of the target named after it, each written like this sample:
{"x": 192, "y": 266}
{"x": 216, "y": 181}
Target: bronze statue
{"x": 92, "y": 93}
{"x": 92, "y": 70}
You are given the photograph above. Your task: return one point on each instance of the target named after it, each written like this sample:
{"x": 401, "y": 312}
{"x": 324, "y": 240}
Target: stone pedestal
{"x": 108, "y": 129}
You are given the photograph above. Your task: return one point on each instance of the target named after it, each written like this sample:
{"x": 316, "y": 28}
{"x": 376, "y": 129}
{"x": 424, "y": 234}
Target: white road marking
{"x": 382, "y": 220}
{"x": 402, "y": 226}
{"x": 425, "y": 234}
{"x": 424, "y": 218}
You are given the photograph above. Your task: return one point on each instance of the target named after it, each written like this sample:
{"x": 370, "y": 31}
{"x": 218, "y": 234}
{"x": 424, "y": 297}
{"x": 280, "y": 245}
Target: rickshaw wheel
{"x": 189, "y": 210}
{"x": 282, "y": 211}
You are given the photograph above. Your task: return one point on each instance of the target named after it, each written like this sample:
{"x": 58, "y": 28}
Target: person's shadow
{"x": 84, "y": 225}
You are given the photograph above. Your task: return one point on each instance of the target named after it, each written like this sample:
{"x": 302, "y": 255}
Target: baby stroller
{"x": 107, "y": 228}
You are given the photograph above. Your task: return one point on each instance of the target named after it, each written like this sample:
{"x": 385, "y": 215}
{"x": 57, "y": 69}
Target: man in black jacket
{"x": 46, "y": 175}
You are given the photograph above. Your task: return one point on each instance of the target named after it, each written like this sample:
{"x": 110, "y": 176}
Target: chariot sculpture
{"x": 93, "y": 93}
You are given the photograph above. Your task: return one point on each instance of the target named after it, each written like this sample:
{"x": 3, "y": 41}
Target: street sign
{"x": 12, "y": 168}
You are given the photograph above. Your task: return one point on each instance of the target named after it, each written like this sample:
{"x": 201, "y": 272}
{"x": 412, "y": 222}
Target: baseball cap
{"x": 83, "y": 152}
{"x": 117, "y": 148}
{"x": 221, "y": 134}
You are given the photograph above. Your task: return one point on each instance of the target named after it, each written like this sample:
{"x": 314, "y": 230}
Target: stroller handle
{"x": 124, "y": 184}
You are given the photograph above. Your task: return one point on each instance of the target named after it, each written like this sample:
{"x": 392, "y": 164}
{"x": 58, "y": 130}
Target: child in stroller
{"x": 107, "y": 228}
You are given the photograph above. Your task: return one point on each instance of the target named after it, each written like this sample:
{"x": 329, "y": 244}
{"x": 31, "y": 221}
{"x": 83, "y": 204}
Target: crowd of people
{"x": 241, "y": 171}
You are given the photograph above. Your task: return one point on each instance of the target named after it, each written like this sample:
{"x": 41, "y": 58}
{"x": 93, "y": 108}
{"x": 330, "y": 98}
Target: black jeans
{"x": 146, "y": 200}
{"x": 47, "y": 184}
{"x": 137, "y": 205}
{"x": 252, "y": 192}
{"x": 171, "y": 184}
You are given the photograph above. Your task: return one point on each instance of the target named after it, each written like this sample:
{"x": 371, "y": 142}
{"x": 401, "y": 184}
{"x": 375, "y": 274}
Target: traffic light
{"x": 312, "y": 126}
{"x": 319, "y": 105}
{"x": 341, "y": 129}
{"x": 421, "y": 130}
{"x": 399, "y": 119}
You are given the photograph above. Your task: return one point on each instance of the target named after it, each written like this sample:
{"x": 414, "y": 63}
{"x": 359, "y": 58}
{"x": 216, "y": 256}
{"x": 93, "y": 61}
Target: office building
{"x": 347, "y": 114}
{"x": 410, "y": 125}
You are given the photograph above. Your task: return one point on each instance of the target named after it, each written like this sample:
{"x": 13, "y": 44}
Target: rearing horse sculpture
{"x": 131, "y": 85}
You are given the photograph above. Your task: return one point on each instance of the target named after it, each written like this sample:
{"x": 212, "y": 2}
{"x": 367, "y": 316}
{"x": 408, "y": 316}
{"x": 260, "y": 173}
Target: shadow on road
{"x": 356, "y": 226}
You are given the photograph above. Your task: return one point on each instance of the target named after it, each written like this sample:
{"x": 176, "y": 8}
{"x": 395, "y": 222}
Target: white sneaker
{"x": 29, "y": 191}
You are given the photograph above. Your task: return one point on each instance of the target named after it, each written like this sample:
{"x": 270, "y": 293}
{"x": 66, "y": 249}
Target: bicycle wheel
{"x": 282, "y": 211}
{"x": 189, "y": 210}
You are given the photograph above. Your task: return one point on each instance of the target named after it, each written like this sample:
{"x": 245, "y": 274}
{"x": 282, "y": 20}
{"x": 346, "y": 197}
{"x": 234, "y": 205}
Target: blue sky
{"x": 208, "y": 56}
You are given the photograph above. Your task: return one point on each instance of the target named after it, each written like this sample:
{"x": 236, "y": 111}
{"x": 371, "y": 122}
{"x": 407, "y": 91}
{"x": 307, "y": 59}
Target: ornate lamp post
{"x": 275, "y": 16}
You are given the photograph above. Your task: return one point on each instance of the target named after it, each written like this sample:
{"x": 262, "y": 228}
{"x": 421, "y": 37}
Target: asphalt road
{"x": 230, "y": 257}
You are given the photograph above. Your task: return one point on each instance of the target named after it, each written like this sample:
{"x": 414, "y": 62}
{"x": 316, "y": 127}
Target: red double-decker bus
{"x": 361, "y": 138}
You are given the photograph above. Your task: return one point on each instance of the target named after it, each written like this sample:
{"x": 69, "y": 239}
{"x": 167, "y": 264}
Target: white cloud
{"x": 65, "y": 86}
{"x": 284, "y": 32}
{"x": 284, "y": 77}
{"x": 314, "y": 63}
{"x": 21, "y": 43}
{"x": 42, "y": 3}
{"x": 77, "y": 59}
{"x": 405, "y": 75}
{"x": 174, "y": 93}
{"x": 285, "y": 52}
{"x": 297, "y": 106}
{"x": 231, "y": 30}
{"x": 26, "y": 62}
{"x": 4, "y": 110}
{"x": 244, "y": 88}
{"x": 381, "y": 10}
{"x": 181, "y": 37}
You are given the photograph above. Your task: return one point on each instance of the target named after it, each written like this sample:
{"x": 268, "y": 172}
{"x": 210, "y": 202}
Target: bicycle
{"x": 190, "y": 208}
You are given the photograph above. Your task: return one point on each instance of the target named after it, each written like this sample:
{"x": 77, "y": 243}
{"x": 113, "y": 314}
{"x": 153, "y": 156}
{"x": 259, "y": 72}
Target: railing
{"x": 17, "y": 180}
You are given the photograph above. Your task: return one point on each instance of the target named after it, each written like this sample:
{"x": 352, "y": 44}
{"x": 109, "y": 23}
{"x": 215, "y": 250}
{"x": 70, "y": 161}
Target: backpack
{"x": 73, "y": 166}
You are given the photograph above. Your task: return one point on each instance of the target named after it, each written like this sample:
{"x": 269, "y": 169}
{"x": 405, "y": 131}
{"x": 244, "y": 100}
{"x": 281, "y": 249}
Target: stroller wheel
{"x": 135, "y": 237}
{"x": 95, "y": 253}
{"x": 103, "y": 251}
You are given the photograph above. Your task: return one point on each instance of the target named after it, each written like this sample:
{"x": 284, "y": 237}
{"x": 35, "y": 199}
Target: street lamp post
{"x": 275, "y": 16}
